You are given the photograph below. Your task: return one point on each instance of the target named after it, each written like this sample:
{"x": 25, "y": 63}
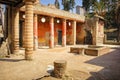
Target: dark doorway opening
{"x": 21, "y": 33}
{"x": 59, "y": 37}
{"x": 88, "y": 38}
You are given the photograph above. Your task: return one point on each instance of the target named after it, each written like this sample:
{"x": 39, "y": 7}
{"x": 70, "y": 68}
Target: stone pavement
{"x": 79, "y": 67}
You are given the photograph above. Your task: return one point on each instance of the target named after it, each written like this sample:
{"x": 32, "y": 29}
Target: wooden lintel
{"x": 20, "y": 4}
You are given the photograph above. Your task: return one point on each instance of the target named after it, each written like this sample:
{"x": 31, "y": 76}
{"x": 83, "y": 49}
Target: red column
{"x": 35, "y": 32}
{"x": 64, "y": 33}
{"x": 51, "y": 44}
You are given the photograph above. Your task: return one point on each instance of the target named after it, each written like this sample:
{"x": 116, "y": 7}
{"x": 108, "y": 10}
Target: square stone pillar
{"x": 63, "y": 32}
{"x": 35, "y": 32}
{"x": 74, "y": 32}
{"x": 28, "y": 29}
{"x": 98, "y": 31}
{"x": 51, "y": 42}
{"x": 15, "y": 30}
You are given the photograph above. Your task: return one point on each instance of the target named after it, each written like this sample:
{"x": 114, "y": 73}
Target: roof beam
{"x": 7, "y": 2}
{"x": 19, "y": 4}
{"x": 12, "y": 2}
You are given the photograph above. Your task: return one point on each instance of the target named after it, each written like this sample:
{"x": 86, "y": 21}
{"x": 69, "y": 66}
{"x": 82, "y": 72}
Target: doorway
{"x": 59, "y": 37}
{"x": 21, "y": 33}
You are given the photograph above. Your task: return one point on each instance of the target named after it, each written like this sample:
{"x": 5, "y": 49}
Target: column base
{"x": 63, "y": 45}
{"x": 29, "y": 57}
{"x": 16, "y": 51}
{"x": 51, "y": 47}
{"x": 73, "y": 43}
{"x": 35, "y": 48}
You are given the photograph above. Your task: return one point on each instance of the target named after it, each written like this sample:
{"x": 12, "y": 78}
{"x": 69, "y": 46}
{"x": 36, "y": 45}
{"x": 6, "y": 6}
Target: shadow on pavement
{"x": 12, "y": 60}
{"x": 111, "y": 66}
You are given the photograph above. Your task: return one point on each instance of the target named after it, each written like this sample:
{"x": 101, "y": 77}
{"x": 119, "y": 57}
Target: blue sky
{"x": 46, "y": 2}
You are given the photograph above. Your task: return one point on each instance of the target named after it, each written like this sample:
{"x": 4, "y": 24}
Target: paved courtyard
{"x": 79, "y": 67}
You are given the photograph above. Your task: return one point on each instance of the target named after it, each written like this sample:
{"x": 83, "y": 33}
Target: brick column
{"x": 74, "y": 32}
{"x": 51, "y": 44}
{"x": 35, "y": 32}
{"x": 28, "y": 29}
{"x": 15, "y": 30}
{"x": 63, "y": 32}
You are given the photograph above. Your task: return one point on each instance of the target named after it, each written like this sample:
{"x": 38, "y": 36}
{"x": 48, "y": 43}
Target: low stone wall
{"x": 78, "y": 50}
{"x": 96, "y": 51}
{"x": 90, "y": 50}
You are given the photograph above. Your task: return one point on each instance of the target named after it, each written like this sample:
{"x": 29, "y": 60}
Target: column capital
{"x": 63, "y": 19}
{"x": 29, "y": 2}
{"x": 51, "y": 19}
{"x": 35, "y": 15}
{"x": 74, "y": 21}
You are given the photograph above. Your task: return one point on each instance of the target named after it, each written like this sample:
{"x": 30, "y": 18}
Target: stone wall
{"x": 95, "y": 26}
{"x": 80, "y": 35}
{"x": 98, "y": 31}
{"x": 3, "y": 49}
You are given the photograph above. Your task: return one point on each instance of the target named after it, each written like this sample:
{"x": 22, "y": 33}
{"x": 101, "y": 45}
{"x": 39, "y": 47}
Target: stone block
{"x": 59, "y": 68}
{"x": 96, "y": 50}
{"x": 78, "y": 50}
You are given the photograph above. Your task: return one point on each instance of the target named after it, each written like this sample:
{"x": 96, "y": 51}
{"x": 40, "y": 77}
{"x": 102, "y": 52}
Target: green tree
{"x": 113, "y": 15}
{"x": 92, "y": 4}
{"x": 68, "y": 4}
{"x": 72, "y": 4}
{"x": 109, "y": 9}
{"x": 86, "y": 4}
{"x": 117, "y": 12}
{"x": 99, "y": 8}
{"x": 57, "y": 5}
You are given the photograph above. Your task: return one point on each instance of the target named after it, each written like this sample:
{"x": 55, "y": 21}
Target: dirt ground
{"x": 79, "y": 67}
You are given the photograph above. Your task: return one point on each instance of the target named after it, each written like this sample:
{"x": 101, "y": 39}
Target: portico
{"x": 41, "y": 26}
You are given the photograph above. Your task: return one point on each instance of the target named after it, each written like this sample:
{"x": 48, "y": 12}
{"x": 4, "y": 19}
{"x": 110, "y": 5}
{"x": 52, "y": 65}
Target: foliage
{"x": 105, "y": 8}
{"x": 57, "y": 5}
{"x": 111, "y": 14}
{"x": 117, "y": 12}
{"x": 99, "y": 8}
{"x": 89, "y": 15}
{"x": 86, "y": 4}
{"x": 68, "y": 4}
{"x": 109, "y": 9}
{"x": 110, "y": 19}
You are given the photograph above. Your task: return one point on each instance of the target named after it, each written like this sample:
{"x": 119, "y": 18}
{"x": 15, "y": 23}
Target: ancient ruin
{"x": 35, "y": 38}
